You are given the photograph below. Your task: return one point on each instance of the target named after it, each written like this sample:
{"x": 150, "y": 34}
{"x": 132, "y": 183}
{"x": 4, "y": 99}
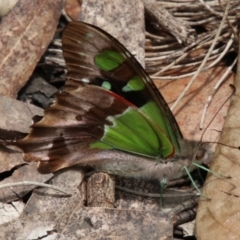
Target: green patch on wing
{"x": 134, "y": 132}
{"x": 157, "y": 115}
{"x": 106, "y": 85}
{"x": 134, "y": 84}
{"x": 108, "y": 60}
{"x": 146, "y": 131}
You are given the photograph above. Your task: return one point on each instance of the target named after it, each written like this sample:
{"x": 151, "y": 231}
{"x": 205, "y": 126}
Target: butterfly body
{"x": 109, "y": 115}
{"x": 130, "y": 165}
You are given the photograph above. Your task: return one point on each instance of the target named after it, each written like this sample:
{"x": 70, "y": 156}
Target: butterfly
{"x": 109, "y": 115}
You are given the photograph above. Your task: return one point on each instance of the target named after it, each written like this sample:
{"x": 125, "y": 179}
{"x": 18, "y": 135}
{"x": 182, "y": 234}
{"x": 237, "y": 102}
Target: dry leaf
{"x": 9, "y": 212}
{"x": 219, "y": 217}
{"x": 25, "y": 34}
{"x": 17, "y": 116}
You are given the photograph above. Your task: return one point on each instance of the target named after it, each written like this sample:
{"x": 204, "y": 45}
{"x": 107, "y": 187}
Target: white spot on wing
{"x": 127, "y": 53}
{"x": 81, "y": 54}
{"x": 89, "y": 35}
{"x": 85, "y": 80}
{"x": 48, "y": 146}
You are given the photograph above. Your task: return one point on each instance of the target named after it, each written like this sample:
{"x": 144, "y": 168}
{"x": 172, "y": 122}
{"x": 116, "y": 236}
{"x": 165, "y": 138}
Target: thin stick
{"x": 229, "y": 23}
{"x": 26, "y": 183}
{"x": 210, "y": 9}
{"x": 227, "y": 47}
{"x": 216, "y": 87}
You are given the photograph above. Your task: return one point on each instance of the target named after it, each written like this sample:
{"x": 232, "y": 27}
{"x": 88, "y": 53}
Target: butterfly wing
{"x": 95, "y": 57}
{"x": 108, "y": 102}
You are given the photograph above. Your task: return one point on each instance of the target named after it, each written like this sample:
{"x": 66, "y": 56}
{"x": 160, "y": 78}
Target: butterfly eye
{"x": 200, "y": 155}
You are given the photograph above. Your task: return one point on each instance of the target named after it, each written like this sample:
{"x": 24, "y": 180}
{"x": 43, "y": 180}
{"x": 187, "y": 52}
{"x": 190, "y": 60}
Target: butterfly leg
{"x": 163, "y": 184}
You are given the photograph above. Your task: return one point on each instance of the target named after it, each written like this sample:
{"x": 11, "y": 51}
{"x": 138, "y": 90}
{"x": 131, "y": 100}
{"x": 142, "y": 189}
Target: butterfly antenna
{"x": 198, "y": 165}
{"x": 233, "y": 92}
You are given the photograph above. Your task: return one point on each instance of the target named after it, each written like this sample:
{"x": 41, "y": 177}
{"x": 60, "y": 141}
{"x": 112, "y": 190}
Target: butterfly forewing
{"x": 95, "y": 57}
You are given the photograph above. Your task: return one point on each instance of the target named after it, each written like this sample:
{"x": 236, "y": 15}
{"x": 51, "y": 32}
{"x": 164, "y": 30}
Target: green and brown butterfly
{"x": 109, "y": 115}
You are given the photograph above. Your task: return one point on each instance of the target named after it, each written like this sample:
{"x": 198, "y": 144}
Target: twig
{"x": 209, "y": 100}
{"x": 210, "y": 9}
{"x": 38, "y": 184}
{"x": 205, "y": 59}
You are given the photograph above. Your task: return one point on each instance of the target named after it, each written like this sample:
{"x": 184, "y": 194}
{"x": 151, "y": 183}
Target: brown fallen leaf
{"x": 219, "y": 217}
{"x": 9, "y": 212}
{"x": 16, "y": 115}
{"x": 25, "y": 32}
